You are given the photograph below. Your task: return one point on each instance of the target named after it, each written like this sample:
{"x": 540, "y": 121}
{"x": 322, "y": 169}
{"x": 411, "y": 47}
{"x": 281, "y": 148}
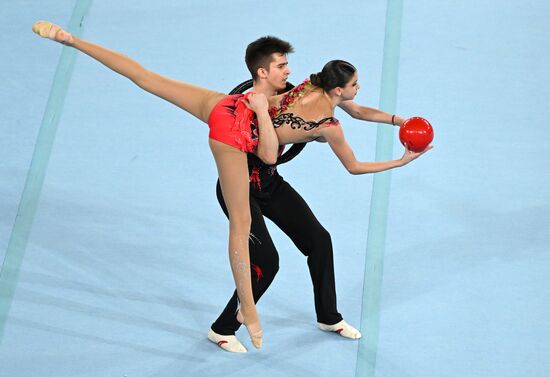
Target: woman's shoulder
{"x": 284, "y": 101}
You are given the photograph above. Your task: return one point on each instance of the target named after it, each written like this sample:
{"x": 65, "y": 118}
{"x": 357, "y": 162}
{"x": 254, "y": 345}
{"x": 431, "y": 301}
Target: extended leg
{"x": 196, "y": 100}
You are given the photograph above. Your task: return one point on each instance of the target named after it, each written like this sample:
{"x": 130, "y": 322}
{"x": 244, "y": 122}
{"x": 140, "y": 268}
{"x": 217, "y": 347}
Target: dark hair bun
{"x": 336, "y": 73}
{"x": 316, "y": 79}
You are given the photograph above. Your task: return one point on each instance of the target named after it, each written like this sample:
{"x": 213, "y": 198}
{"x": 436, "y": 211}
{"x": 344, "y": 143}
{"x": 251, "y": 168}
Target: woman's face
{"x": 350, "y": 90}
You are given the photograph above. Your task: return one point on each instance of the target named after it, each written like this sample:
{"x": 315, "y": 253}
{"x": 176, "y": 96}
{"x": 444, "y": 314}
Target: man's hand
{"x": 257, "y": 102}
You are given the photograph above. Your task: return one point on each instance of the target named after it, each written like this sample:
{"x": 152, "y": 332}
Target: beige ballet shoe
{"x": 51, "y": 31}
{"x": 254, "y": 330}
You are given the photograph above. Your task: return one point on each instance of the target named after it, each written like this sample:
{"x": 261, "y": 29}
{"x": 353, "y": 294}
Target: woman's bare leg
{"x": 234, "y": 180}
{"x": 232, "y": 163}
{"x": 194, "y": 99}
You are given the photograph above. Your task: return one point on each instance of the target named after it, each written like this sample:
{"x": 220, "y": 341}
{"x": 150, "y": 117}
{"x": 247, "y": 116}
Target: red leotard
{"x": 232, "y": 123}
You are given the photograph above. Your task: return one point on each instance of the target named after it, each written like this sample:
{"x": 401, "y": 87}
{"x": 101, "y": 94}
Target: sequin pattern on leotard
{"x": 280, "y": 117}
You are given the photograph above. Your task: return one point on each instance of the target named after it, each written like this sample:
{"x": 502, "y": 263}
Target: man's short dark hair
{"x": 258, "y": 53}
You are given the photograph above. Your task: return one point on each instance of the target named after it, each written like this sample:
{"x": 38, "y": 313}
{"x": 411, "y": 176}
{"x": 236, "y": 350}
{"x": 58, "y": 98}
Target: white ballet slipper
{"x": 230, "y": 343}
{"x": 342, "y": 328}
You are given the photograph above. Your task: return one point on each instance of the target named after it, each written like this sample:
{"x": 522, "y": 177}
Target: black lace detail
{"x": 296, "y": 122}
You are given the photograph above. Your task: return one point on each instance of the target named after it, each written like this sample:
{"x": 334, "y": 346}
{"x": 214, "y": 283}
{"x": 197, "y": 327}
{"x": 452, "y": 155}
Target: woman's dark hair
{"x": 336, "y": 73}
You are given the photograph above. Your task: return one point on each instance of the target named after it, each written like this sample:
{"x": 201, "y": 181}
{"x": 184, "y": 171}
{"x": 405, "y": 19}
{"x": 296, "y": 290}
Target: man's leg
{"x": 289, "y": 211}
{"x": 264, "y": 260}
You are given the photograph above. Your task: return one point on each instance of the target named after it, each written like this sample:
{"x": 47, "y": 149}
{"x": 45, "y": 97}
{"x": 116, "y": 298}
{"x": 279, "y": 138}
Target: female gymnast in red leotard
{"x": 250, "y": 123}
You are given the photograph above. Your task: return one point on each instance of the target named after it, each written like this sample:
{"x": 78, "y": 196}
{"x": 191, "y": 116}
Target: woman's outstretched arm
{"x": 335, "y": 138}
{"x": 370, "y": 114}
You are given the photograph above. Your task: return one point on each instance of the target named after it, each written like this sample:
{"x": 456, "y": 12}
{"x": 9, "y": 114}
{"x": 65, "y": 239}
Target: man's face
{"x": 278, "y": 72}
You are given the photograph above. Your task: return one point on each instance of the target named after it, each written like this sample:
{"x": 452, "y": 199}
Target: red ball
{"x": 416, "y": 134}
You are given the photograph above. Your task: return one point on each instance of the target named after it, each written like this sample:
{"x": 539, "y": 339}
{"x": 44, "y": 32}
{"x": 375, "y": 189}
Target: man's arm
{"x": 268, "y": 143}
{"x": 370, "y": 114}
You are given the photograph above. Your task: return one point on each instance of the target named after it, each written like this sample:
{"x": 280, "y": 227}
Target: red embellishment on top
{"x": 289, "y": 98}
{"x": 334, "y": 122}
